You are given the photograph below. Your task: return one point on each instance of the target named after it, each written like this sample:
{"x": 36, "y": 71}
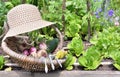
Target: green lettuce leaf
{"x": 76, "y": 46}
{"x": 1, "y": 62}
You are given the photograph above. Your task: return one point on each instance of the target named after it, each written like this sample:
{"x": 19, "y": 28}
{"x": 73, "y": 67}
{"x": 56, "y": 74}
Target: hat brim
{"x": 28, "y": 27}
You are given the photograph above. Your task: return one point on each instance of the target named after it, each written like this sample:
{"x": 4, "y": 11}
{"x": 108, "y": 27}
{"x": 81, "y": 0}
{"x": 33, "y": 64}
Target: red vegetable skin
{"x": 32, "y": 49}
{"x": 43, "y": 46}
{"x": 26, "y": 52}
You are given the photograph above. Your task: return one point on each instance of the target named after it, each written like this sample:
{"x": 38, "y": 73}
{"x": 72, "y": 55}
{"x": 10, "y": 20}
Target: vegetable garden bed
{"x": 106, "y": 64}
{"x": 96, "y": 21}
{"x": 106, "y": 69}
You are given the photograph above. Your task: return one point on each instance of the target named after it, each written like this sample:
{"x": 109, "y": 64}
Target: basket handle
{"x": 60, "y": 45}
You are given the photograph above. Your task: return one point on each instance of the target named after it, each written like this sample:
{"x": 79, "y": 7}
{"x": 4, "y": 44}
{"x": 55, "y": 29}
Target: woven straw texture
{"x": 11, "y": 46}
{"x": 25, "y": 18}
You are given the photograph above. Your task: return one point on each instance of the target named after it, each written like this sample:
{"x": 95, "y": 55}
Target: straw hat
{"x": 24, "y": 18}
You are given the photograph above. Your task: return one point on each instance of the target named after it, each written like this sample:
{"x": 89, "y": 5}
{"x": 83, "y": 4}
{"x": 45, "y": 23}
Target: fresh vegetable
{"x": 33, "y": 52}
{"x": 52, "y": 44}
{"x": 107, "y": 41}
{"x": 75, "y": 50}
{"x": 116, "y": 58}
{"x": 41, "y": 53}
{"x": 33, "y": 49}
{"x": 2, "y": 61}
{"x": 26, "y": 52}
{"x": 43, "y": 46}
{"x": 76, "y": 46}
{"x": 61, "y": 54}
{"x": 70, "y": 60}
{"x": 91, "y": 59}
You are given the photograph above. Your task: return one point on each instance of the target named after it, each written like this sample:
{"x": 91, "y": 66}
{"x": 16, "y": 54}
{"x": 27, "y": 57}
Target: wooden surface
{"x": 74, "y": 73}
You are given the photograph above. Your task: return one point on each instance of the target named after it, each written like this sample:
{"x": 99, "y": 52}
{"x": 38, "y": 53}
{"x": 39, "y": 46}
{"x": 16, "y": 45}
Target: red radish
{"x": 43, "y": 46}
{"x": 41, "y": 53}
{"x": 34, "y": 54}
{"x": 26, "y": 52}
{"x": 33, "y": 51}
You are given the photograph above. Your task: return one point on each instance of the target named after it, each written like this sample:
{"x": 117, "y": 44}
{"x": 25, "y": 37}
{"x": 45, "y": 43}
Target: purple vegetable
{"x": 43, "y": 46}
{"x": 32, "y": 49}
{"x": 26, "y": 52}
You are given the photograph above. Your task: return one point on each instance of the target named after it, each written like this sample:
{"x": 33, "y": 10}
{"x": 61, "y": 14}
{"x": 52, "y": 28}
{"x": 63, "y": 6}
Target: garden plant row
{"x": 95, "y": 21}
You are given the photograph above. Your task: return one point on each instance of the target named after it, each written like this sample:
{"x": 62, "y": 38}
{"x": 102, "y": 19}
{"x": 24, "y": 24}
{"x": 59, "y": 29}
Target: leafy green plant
{"x": 4, "y": 8}
{"x": 76, "y": 46}
{"x": 2, "y": 61}
{"x": 105, "y": 44}
{"x": 91, "y": 59}
{"x": 72, "y": 24}
{"x": 15, "y": 2}
{"x": 3, "y": 11}
{"x": 75, "y": 10}
{"x": 70, "y": 60}
{"x": 75, "y": 50}
{"x": 51, "y": 11}
{"x": 108, "y": 44}
{"x": 37, "y": 37}
{"x": 116, "y": 58}
{"x": 107, "y": 41}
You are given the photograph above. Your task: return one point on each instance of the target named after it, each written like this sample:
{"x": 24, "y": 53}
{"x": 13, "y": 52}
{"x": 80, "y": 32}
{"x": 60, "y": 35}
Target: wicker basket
{"x": 28, "y": 62}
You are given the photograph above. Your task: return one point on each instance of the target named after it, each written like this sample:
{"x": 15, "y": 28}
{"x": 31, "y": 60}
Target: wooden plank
{"x": 74, "y": 73}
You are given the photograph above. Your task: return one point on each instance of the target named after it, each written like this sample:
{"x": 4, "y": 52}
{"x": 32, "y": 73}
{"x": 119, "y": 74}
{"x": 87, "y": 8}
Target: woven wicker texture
{"x": 29, "y": 63}
{"x": 25, "y": 18}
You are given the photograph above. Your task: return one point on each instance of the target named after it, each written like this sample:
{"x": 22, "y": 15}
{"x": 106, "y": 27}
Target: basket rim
{"x": 25, "y": 58}
{"x": 22, "y": 57}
